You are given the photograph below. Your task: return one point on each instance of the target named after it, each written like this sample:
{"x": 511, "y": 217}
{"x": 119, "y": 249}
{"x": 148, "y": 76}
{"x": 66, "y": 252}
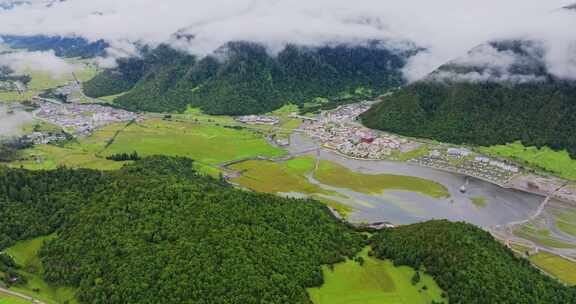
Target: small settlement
{"x": 338, "y": 131}
{"x": 259, "y": 120}
{"x": 82, "y": 119}
{"x": 466, "y": 162}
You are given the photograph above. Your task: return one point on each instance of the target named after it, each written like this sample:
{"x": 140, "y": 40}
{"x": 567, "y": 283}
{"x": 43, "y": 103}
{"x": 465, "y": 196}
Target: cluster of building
{"x": 346, "y": 112}
{"x": 464, "y": 161}
{"x": 43, "y": 138}
{"x": 12, "y": 86}
{"x": 336, "y": 130}
{"x": 258, "y": 120}
{"x": 82, "y": 119}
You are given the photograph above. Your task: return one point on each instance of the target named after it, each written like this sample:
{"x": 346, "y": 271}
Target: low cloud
{"x": 22, "y": 62}
{"x": 447, "y": 29}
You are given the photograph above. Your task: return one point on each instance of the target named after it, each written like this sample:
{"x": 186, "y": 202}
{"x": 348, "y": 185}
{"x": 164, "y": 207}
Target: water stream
{"x": 401, "y": 207}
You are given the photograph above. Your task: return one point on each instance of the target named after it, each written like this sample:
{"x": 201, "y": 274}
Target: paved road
{"x": 506, "y": 233}
{"x": 21, "y": 296}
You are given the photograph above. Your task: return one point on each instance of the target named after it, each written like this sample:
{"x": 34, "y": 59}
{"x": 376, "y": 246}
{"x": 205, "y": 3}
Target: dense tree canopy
{"x": 469, "y": 264}
{"x": 158, "y": 232}
{"x": 245, "y": 79}
{"x": 538, "y": 114}
{"x": 475, "y": 102}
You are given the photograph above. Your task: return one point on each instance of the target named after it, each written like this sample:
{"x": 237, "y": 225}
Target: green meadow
{"x": 25, "y": 254}
{"x": 42, "y": 80}
{"x": 374, "y": 282}
{"x": 540, "y": 235}
{"x": 72, "y": 155}
{"x": 565, "y": 220}
{"x": 7, "y": 299}
{"x": 283, "y": 177}
{"x": 557, "y": 266}
{"x": 557, "y": 162}
{"x": 275, "y": 177}
{"x": 336, "y": 175}
{"x": 207, "y": 144}
{"x": 479, "y": 201}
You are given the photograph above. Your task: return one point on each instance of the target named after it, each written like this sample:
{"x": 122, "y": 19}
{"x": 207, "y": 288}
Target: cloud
{"x": 446, "y": 28}
{"x": 21, "y": 62}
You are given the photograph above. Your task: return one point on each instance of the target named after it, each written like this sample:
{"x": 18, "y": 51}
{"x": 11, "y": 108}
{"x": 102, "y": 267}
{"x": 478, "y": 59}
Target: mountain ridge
{"x": 244, "y": 79}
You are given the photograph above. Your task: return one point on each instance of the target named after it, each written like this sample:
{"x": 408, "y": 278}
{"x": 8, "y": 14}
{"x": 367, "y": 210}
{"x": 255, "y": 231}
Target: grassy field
{"x": 565, "y": 219}
{"x": 111, "y": 98}
{"x": 207, "y": 144}
{"x": 26, "y": 255}
{"x": 72, "y": 155}
{"x": 267, "y": 176}
{"x": 7, "y": 299}
{"x": 541, "y": 236}
{"x": 557, "y": 162}
{"x": 283, "y": 177}
{"x": 557, "y": 266}
{"x": 479, "y": 201}
{"x": 43, "y": 80}
{"x": 335, "y": 175}
{"x": 375, "y": 282}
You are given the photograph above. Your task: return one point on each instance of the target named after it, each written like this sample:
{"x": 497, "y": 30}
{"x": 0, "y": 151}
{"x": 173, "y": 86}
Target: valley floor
{"x": 363, "y": 191}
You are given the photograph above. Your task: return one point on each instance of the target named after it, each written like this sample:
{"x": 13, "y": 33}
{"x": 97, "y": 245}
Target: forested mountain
{"x": 62, "y": 46}
{"x": 469, "y": 264}
{"x": 474, "y": 101}
{"x": 243, "y": 78}
{"x": 158, "y": 232}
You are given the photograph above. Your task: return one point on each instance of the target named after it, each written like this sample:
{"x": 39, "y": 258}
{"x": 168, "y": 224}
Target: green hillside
{"x": 158, "y": 232}
{"x": 537, "y": 114}
{"x": 469, "y": 264}
{"x": 470, "y": 101}
{"x": 242, "y": 78}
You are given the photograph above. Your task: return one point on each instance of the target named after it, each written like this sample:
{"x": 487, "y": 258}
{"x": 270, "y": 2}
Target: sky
{"x": 45, "y": 61}
{"x": 447, "y": 29}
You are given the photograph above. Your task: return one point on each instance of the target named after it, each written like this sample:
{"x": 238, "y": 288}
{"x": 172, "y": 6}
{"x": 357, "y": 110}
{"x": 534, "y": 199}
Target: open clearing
{"x": 26, "y": 255}
{"x": 559, "y": 267}
{"x": 208, "y": 144}
{"x": 283, "y": 177}
{"x": 7, "y": 299}
{"x": 41, "y": 80}
{"x": 540, "y": 234}
{"x": 333, "y": 174}
{"x": 375, "y": 282}
{"x": 479, "y": 201}
{"x": 558, "y": 162}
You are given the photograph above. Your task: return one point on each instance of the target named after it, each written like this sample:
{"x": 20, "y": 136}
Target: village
{"x": 337, "y": 130}
{"x": 464, "y": 161}
{"x": 82, "y": 119}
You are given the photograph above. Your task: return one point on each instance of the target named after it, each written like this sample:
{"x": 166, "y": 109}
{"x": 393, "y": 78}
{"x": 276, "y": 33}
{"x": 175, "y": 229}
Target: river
{"x": 11, "y": 123}
{"x": 400, "y": 207}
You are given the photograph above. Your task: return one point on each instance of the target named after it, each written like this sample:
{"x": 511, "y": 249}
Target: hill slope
{"x": 485, "y": 105}
{"x": 157, "y": 232}
{"x": 469, "y": 264}
{"x": 242, "y": 78}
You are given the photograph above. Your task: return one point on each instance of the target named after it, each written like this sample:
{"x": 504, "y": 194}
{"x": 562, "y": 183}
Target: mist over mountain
{"x": 243, "y": 78}
{"x": 501, "y": 92}
{"x": 62, "y": 46}
{"x": 200, "y": 28}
